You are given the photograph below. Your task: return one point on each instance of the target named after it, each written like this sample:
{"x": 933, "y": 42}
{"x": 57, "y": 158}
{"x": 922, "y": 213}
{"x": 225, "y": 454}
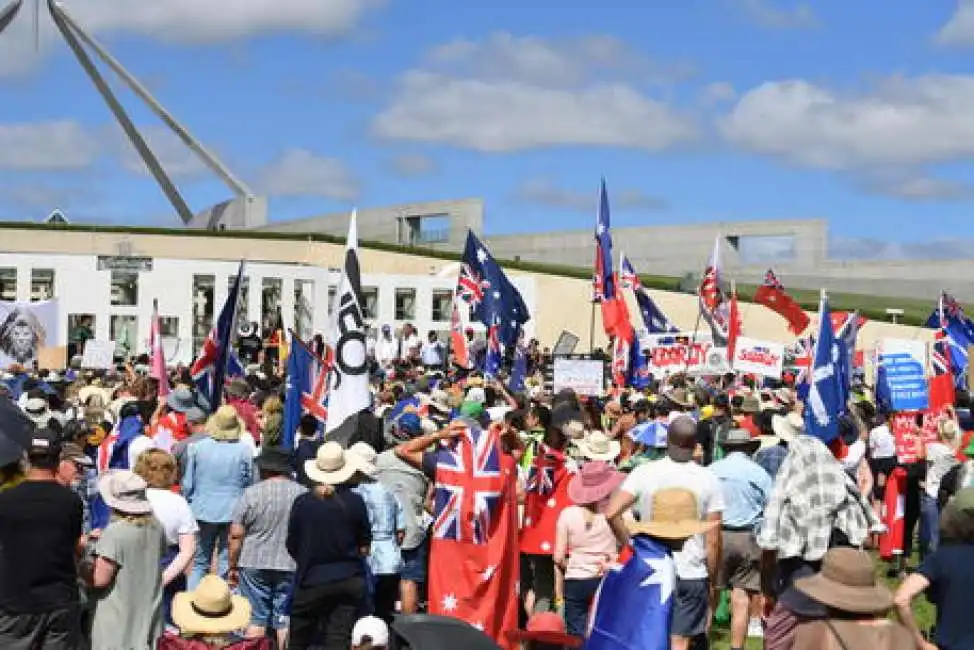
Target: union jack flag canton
{"x": 469, "y": 487}
{"x": 470, "y": 286}
{"x": 541, "y": 476}
{"x": 941, "y": 357}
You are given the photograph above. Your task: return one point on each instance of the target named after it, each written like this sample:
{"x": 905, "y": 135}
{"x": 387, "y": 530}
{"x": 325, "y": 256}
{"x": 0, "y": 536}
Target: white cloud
{"x": 543, "y": 192}
{"x": 298, "y": 172}
{"x": 959, "y": 30}
{"x": 766, "y": 14}
{"x": 181, "y": 21}
{"x": 175, "y": 157}
{"x": 508, "y": 93}
{"x": 46, "y": 146}
{"x": 916, "y": 187}
{"x": 411, "y": 165}
{"x": 864, "y": 248}
{"x": 902, "y": 122}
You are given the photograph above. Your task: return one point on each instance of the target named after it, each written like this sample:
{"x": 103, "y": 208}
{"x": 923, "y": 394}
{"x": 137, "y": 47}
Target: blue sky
{"x": 703, "y": 110}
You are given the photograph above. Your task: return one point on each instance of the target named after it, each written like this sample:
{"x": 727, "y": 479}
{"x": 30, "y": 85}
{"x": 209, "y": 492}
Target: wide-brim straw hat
{"x": 125, "y": 492}
{"x": 788, "y": 427}
{"x": 847, "y": 582}
{"x": 675, "y": 515}
{"x": 210, "y": 609}
{"x": 594, "y": 482}
{"x": 367, "y": 455}
{"x": 333, "y": 465}
{"x": 598, "y": 446}
{"x": 225, "y": 424}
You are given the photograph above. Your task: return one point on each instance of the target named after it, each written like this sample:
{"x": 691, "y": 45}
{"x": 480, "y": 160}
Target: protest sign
{"x": 584, "y": 376}
{"x": 761, "y": 358}
{"x": 902, "y": 367}
{"x": 98, "y": 355}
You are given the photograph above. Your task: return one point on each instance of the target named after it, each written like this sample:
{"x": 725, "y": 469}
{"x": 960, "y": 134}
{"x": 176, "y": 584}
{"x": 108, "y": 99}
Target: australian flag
{"x": 217, "y": 360}
{"x": 958, "y": 333}
{"x": 519, "y": 370}
{"x": 634, "y": 604}
{"x": 306, "y": 391}
{"x": 828, "y": 388}
{"x": 500, "y": 303}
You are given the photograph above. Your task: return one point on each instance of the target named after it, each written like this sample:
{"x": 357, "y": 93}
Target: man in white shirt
{"x": 432, "y": 353}
{"x": 696, "y": 564}
{"x": 411, "y": 343}
{"x": 387, "y": 349}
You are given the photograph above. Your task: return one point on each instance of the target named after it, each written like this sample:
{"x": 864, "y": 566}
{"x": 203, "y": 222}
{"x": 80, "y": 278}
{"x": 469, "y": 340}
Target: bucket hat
{"x": 124, "y": 491}
{"x": 847, "y": 582}
{"x": 594, "y": 482}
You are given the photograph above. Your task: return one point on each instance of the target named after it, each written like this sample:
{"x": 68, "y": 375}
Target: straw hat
{"x": 598, "y": 446}
{"x": 210, "y": 608}
{"x": 680, "y": 397}
{"x": 788, "y": 427}
{"x": 594, "y": 482}
{"x": 366, "y": 454}
{"x": 332, "y": 465}
{"x": 847, "y": 582}
{"x": 675, "y": 515}
{"x": 225, "y": 424}
{"x": 124, "y": 491}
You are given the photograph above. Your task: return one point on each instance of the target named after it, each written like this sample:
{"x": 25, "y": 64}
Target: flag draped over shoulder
{"x": 545, "y": 496}
{"x": 474, "y": 562}
{"x": 634, "y": 605}
{"x": 772, "y": 295}
{"x": 349, "y": 379}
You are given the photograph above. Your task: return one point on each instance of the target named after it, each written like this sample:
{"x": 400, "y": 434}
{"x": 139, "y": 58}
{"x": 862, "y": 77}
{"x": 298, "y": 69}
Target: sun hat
{"x": 124, "y": 491}
{"x": 594, "y": 482}
{"x": 274, "y": 459}
{"x": 332, "y": 465}
{"x": 38, "y": 411}
{"x": 545, "y": 627}
{"x": 210, "y": 608}
{"x": 372, "y": 628}
{"x": 847, "y": 582}
{"x": 87, "y": 392}
{"x": 788, "y": 427}
{"x": 680, "y": 397}
{"x": 74, "y": 453}
{"x": 225, "y": 424}
{"x": 184, "y": 400}
{"x": 674, "y": 515}
{"x": 740, "y": 440}
{"x": 598, "y": 446}
{"x": 366, "y": 454}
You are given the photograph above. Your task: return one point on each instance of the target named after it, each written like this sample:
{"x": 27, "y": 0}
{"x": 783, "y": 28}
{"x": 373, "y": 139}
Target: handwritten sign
{"x": 98, "y": 355}
{"x": 584, "y": 376}
{"x": 761, "y": 358}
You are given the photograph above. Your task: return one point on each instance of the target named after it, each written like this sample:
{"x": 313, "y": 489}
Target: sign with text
{"x": 762, "y": 358}
{"x": 700, "y": 358}
{"x": 903, "y": 365}
{"x": 584, "y": 376}
{"x": 98, "y": 355}
{"x": 132, "y": 264}
{"x": 907, "y": 436}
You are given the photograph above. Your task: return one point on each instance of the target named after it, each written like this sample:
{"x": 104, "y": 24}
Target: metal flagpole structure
{"x": 245, "y": 210}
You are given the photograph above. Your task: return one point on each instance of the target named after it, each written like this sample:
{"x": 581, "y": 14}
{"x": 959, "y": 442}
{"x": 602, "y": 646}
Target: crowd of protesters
{"x": 131, "y": 521}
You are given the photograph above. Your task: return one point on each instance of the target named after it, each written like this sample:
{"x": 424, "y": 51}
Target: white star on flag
{"x": 497, "y": 295}
{"x": 663, "y": 575}
{"x": 488, "y": 573}
{"x": 600, "y": 230}
{"x": 450, "y": 603}
{"x": 481, "y": 255}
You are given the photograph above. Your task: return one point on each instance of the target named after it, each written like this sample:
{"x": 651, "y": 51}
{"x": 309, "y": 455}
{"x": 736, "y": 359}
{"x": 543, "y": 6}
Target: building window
{"x": 169, "y": 327}
{"x": 442, "y": 305}
{"x": 405, "y": 304}
{"x": 8, "y": 284}
{"x": 243, "y": 305}
{"x": 125, "y": 288}
{"x": 124, "y": 330}
{"x": 270, "y": 304}
{"x": 81, "y": 328}
{"x": 304, "y": 293}
{"x": 370, "y": 303}
{"x": 332, "y": 291}
{"x": 202, "y": 309}
{"x": 41, "y": 284}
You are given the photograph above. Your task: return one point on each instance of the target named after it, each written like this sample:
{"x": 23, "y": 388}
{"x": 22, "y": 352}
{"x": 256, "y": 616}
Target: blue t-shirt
{"x": 951, "y": 573}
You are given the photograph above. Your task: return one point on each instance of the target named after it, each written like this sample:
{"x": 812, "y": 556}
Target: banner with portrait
{"x": 25, "y": 328}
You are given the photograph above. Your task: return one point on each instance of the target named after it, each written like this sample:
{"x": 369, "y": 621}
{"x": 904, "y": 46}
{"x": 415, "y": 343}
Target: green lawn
{"x": 720, "y": 637}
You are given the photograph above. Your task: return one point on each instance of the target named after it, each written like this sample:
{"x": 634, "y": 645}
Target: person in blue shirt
{"x": 747, "y": 488}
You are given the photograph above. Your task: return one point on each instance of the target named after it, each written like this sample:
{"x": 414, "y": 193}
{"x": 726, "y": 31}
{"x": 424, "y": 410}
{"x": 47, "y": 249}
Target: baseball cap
{"x": 373, "y": 628}
{"x": 44, "y": 443}
{"x": 74, "y": 453}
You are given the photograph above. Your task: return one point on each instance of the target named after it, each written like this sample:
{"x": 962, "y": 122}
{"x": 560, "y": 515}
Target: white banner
{"x": 98, "y": 355}
{"x": 762, "y": 358}
{"x": 700, "y": 358}
{"x": 584, "y": 376}
{"x": 26, "y": 327}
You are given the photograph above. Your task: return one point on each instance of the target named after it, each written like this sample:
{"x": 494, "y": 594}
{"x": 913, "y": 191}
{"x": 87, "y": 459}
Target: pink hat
{"x": 545, "y": 627}
{"x": 595, "y": 481}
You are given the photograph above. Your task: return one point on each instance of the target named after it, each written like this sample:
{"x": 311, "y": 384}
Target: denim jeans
{"x": 578, "y": 599}
{"x": 211, "y": 536}
{"x": 929, "y": 524}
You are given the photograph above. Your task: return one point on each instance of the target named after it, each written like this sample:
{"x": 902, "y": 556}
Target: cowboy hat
{"x": 274, "y": 459}
{"x": 547, "y": 628}
{"x": 740, "y": 440}
{"x": 184, "y": 400}
{"x": 680, "y": 397}
{"x": 332, "y": 465}
{"x": 594, "y": 482}
{"x": 225, "y": 424}
{"x": 788, "y": 427}
{"x": 124, "y": 491}
{"x": 598, "y": 446}
{"x": 847, "y": 582}
{"x": 210, "y": 608}
{"x": 675, "y": 515}
{"x": 366, "y": 454}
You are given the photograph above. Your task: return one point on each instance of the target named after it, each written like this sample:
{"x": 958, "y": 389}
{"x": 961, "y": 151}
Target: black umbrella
{"x": 15, "y": 431}
{"x": 429, "y": 632}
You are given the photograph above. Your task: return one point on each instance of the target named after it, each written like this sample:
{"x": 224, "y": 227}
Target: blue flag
{"x": 639, "y": 375}
{"x": 519, "y": 370}
{"x": 301, "y": 366}
{"x": 654, "y": 319}
{"x": 827, "y": 387}
{"x": 634, "y": 604}
{"x": 493, "y": 300}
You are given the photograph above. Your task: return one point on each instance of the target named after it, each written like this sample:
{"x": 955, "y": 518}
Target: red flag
{"x": 891, "y": 542}
{"x": 474, "y": 561}
{"x": 733, "y": 327}
{"x": 458, "y": 342}
{"x": 158, "y": 354}
{"x": 546, "y": 495}
{"x": 772, "y": 295}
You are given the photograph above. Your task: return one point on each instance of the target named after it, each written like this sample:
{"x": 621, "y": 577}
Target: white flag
{"x": 349, "y": 381}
